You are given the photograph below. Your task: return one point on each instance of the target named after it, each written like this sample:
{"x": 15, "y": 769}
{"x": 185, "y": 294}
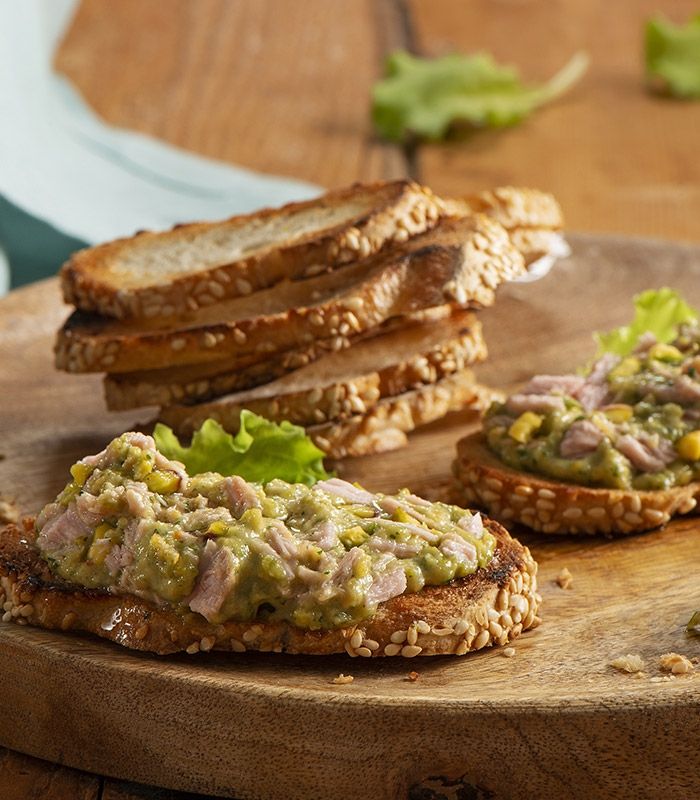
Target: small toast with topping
{"x": 614, "y": 450}
{"x": 136, "y": 551}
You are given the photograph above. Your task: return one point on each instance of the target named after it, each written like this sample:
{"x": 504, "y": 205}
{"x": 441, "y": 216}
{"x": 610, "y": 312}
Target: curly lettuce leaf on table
{"x": 259, "y": 452}
{"x": 672, "y": 56}
{"x": 427, "y": 98}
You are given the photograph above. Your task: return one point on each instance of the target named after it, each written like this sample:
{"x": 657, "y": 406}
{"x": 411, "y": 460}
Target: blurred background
{"x": 127, "y": 114}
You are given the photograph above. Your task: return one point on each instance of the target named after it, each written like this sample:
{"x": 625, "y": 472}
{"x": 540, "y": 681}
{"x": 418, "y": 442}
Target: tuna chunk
{"x": 539, "y": 403}
{"x": 217, "y": 577}
{"x": 647, "y": 453}
{"x": 389, "y": 584}
{"x": 241, "y": 495}
{"x": 345, "y": 490}
{"x": 582, "y": 439}
{"x": 458, "y": 548}
{"x": 62, "y": 531}
{"x": 554, "y": 384}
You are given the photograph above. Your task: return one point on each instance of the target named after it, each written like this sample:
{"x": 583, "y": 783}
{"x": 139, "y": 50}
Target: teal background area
{"x": 34, "y": 248}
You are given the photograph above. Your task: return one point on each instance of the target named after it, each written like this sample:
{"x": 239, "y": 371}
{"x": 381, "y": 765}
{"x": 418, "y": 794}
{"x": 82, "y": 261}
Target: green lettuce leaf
{"x": 672, "y": 56}
{"x": 693, "y": 625}
{"x": 260, "y": 451}
{"x": 426, "y": 98}
{"x": 659, "y": 311}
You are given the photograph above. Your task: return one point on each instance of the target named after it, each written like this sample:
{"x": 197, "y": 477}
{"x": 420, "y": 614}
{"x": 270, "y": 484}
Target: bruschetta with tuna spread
{"x": 137, "y": 551}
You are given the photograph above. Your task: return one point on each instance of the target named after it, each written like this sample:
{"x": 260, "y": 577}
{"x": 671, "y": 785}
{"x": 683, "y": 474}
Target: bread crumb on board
{"x": 508, "y": 652}
{"x": 8, "y": 512}
{"x": 565, "y": 579}
{"x": 675, "y": 664}
{"x": 412, "y": 676}
{"x": 629, "y": 663}
{"x": 343, "y": 679}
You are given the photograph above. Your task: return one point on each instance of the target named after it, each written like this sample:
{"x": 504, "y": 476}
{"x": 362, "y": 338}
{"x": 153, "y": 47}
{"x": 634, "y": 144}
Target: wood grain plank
{"x": 122, "y": 790}
{"x": 277, "y": 86}
{"x": 565, "y": 722}
{"x": 26, "y": 778}
{"x": 618, "y": 158}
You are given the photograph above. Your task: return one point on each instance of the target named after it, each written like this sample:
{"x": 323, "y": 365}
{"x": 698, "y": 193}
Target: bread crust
{"x": 332, "y": 389}
{"x": 384, "y": 426}
{"x": 492, "y": 606}
{"x": 462, "y": 261}
{"x": 555, "y": 507}
{"x": 390, "y": 211}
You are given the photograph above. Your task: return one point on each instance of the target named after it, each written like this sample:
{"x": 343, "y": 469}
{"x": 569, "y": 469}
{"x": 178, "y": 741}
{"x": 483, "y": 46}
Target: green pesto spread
{"x": 325, "y": 556}
{"x": 631, "y": 422}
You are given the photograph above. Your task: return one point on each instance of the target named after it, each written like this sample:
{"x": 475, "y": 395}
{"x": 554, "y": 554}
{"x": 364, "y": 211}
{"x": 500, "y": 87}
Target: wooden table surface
{"x": 283, "y": 86}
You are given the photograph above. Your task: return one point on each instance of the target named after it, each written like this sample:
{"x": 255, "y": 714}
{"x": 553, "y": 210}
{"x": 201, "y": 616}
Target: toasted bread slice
{"x": 384, "y": 426}
{"x": 532, "y": 218}
{"x": 492, "y": 606}
{"x": 199, "y": 382}
{"x": 342, "y": 384}
{"x": 555, "y": 507}
{"x": 192, "y": 266}
{"x": 460, "y": 261}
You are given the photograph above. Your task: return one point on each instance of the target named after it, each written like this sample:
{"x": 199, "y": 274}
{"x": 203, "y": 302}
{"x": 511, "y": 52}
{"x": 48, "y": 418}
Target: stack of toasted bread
{"x": 352, "y": 314}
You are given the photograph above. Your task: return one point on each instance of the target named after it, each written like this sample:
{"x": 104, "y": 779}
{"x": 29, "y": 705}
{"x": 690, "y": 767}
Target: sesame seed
{"x": 371, "y": 644}
{"x": 597, "y": 512}
{"x": 412, "y": 635}
{"x": 422, "y": 626}
{"x": 365, "y": 652}
{"x": 239, "y": 336}
{"x": 356, "y": 639}
{"x": 502, "y": 600}
{"x": 206, "y": 643}
{"x": 410, "y": 650}
{"x": 209, "y": 340}
{"x": 617, "y": 510}
{"x": 68, "y": 620}
{"x": 178, "y": 344}
{"x": 237, "y": 647}
{"x": 481, "y": 640}
{"x": 461, "y": 627}
{"x": 632, "y": 518}
{"x": 523, "y": 491}
{"x": 350, "y": 650}
{"x": 461, "y": 648}
{"x": 398, "y": 637}
{"x": 7, "y": 616}
{"x": 653, "y": 515}
{"x": 635, "y": 503}
{"x": 546, "y": 494}
{"x": 243, "y": 286}
{"x": 392, "y": 649}
{"x": 495, "y": 630}
{"x": 442, "y": 631}
{"x": 687, "y": 505}
{"x": 192, "y": 649}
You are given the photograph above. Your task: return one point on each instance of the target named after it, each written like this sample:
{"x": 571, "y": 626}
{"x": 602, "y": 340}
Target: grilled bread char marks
{"x": 192, "y": 266}
{"x": 492, "y": 606}
{"x": 340, "y": 385}
{"x": 555, "y": 507}
{"x": 460, "y": 261}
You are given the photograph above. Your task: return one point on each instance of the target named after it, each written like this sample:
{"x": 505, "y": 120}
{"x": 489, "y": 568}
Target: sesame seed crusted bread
{"x": 350, "y": 382}
{"x": 561, "y": 508}
{"x": 460, "y": 261}
{"x": 492, "y": 606}
{"x": 384, "y": 426}
{"x": 178, "y": 385}
{"x": 532, "y": 218}
{"x": 191, "y": 266}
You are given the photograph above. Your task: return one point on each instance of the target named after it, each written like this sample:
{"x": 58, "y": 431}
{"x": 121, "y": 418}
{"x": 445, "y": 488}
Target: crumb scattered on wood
{"x": 565, "y": 579}
{"x": 676, "y": 664}
{"x": 343, "y": 679}
{"x": 8, "y": 512}
{"x": 412, "y": 676}
{"x": 630, "y": 663}
{"x": 508, "y": 652}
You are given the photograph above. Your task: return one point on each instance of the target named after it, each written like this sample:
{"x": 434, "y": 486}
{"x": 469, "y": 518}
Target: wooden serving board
{"x": 554, "y": 721}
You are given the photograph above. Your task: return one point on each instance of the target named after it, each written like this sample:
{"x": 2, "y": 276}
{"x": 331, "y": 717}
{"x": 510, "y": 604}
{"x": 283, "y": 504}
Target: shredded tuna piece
{"x": 459, "y": 548}
{"x": 241, "y": 494}
{"x": 645, "y": 342}
{"x": 582, "y": 438}
{"x": 683, "y": 390}
{"x": 217, "y": 577}
{"x": 601, "y": 368}
{"x": 554, "y": 384}
{"x": 326, "y": 535}
{"x": 539, "y": 403}
{"x": 472, "y": 523}
{"x": 390, "y": 584}
{"x": 645, "y": 454}
{"x": 345, "y": 490}
{"x": 137, "y": 498}
{"x": 118, "y": 558}
{"x": 62, "y": 531}
{"x": 429, "y": 536}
